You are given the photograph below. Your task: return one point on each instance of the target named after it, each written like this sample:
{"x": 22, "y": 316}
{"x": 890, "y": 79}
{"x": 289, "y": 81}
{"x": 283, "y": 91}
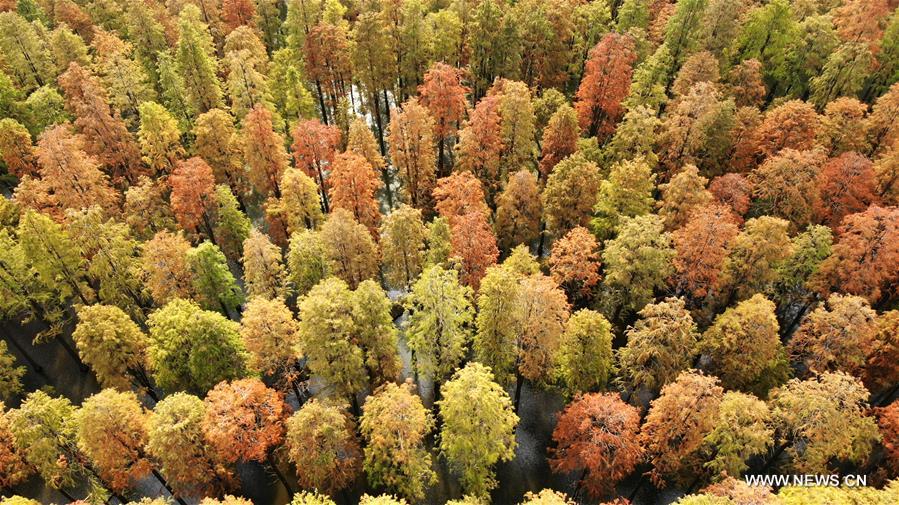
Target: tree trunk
{"x": 71, "y": 352}
{"x": 274, "y": 466}
{"x": 33, "y": 364}
{"x": 168, "y": 488}
{"x": 519, "y": 381}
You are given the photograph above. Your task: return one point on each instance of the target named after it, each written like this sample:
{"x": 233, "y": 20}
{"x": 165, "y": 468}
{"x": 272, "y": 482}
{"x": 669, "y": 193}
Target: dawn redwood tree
{"x": 394, "y": 424}
{"x": 444, "y": 96}
{"x": 518, "y": 211}
{"x": 570, "y": 194}
{"x": 495, "y": 342}
{"x": 271, "y": 335}
{"x": 743, "y": 430}
{"x": 375, "y": 333}
{"x": 327, "y": 336}
{"x": 195, "y": 58}
{"x": 458, "y": 194}
{"x": 477, "y": 429}
{"x": 845, "y": 185}
{"x": 352, "y": 185}
{"x": 361, "y": 140}
{"x": 231, "y": 225}
{"x": 166, "y": 272}
{"x": 411, "y": 141}
{"x": 112, "y": 432}
{"x": 546, "y": 497}
{"x": 113, "y": 346}
{"x": 793, "y": 124}
{"x": 584, "y": 361}
{"x": 681, "y": 195}
{"x": 574, "y": 263}
{"x": 744, "y": 347}
{"x": 843, "y": 127}
{"x": 606, "y": 82}
{"x": 314, "y": 498}
{"x": 263, "y": 266}
{"x": 888, "y": 422}
{"x": 660, "y": 345}
{"x": 473, "y": 243}
{"x": 752, "y": 263}
{"x": 882, "y": 368}
{"x": 299, "y": 207}
{"x": 627, "y": 192}
{"x": 314, "y": 147}
{"x": 263, "y": 150}
{"x": 349, "y": 248}
{"x": 244, "y": 421}
{"x": 218, "y": 142}
{"x": 176, "y": 442}
{"x": 480, "y": 145}
{"x": 596, "y": 436}
{"x": 193, "y": 349}
{"x": 307, "y": 261}
{"x": 321, "y": 442}
{"x": 16, "y": 148}
{"x": 678, "y": 422}
{"x": 823, "y": 419}
{"x": 733, "y": 190}
{"x": 518, "y": 125}
{"x": 863, "y": 258}
{"x": 193, "y": 196}
{"x": 559, "y": 139}
{"x": 701, "y": 246}
{"x": 14, "y": 469}
{"x": 438, "y": 329}
{"x": 54, "y": 257}
{"x": 215, "y": 287}
{"x": 403, "y": 240}
{"x": 160, "y": 138}
{"x": 836, "y": 336}
{"x": 785, "y": 185}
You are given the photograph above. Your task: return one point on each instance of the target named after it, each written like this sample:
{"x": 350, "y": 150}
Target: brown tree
{"x": 845, "y": 185}
{"x": 596, "y": 435}
{"x": 606, "y": 82}
{"x": 732, "y": 190}
{"x": 843, "y": 126}
{"x": 411, "y": 143}
{"x": 472, "y": 241}
{"x": 264, "y": 152}
{"x": 518, "y": 211}
{"x": 16, "y": 148}
{"x": 793, "y": 124}
{"x": 838, "y": 335}
{"x": 480, "y": 144}
{"x": 785, "y": 185}
{"x": 458, "y": 194}
{"x": 444, "y": 96}
{"x": 574, "y": 263}
{"x": 559, "y": 139}
{"x": 321, "y": 442}
{"x": 165, "y": 269}
{"x": 350, "y": 250}
{"x": 352, "y": 186}
{"x": 701, "y": 246}
{"x": 193, "y": 195}
{"x": 882, "y": 369}
{"x": 314, "y": 146}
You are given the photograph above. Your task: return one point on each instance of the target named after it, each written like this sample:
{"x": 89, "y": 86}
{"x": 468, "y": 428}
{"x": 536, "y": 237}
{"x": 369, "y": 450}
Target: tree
{"x": 193, "y": 196}
{"x": 196, "y": 61}
{"x": 244, "y": 420}
{"x": 498, "y": 322}
{"x": 744, "y": 348}
{"x": 16, "y": 148}
{"x": 861, "y": 259}
{"x": 660, "y": 345}
{"x": 837, "y": 336}
{"x": 314, "y": 147}
{"x": 517, "y": 120}
{"x": 634, "y": 137}
{"x": 70, "y": 179}
{"x": 14, "y": 469}
{"x": 327, "y": 335}
{"x": 638, "y": 261}
{"x": 214, "y": 284}
{"x": 327, "y": 57}
{"x": 845, "y": 185}
{"x": 570, "y": 194}
{"x": 584, "y": 358}
{"x": 702, "y": 66}
{"x": 823, "y": 419}
{"x": 193, "y": 349}
{"x": 478, "y": 428}
{"x": 271, "y": 335}
{"x": 677, "y": 423}
{"x": 113, "y": 346}
{"x": 888, "y": 421}
{"x": 843, "y": 126}
{"x": 304, "y": 498}
{"x": 54, "y": 257}
{"x": 10, "y": 374}
{"x": 458, "y": 194}
{"x": 752, "y": 264}
{"x": 394, "y": 424}
{"x": 26, "y": 57}
{"x": 307, "y": 261}
{"x": 559, "y": 139}
{"x": 844, "y": 73}
{"x": 444, "y": 96}
{"x": 218, "y": 143}
{"x": 263, "y": 150}
{"x": 438, "y": 326}
{"x": 361, "y": 141}
{"x": 880, "y": 124}
{"x": 547, "y": 497}
{"x": 745, "y": 84}
{"x": 232, "y": 226}
{"x": 112, "y": 432}
{"x": 597, "y": 435}
{"x": 403, "y": 236}
{"x": 106, "y": 136}
{"x": 473, "y": 243}
{"x": 321, "y": 443}
{"x": 299, "y": 206}
{"x": 732, "y": 190}
{"x": 742, "y": 430}
{"x": 518, "y": 211}
{"x": 160, "y": 138}
{"x": 626, "y": 193}
{"x": 574, "y": 263}
{"x": 411, "y": 142}
{"x": 375, "y": 332}
{"x": 351, "y": 252}
{"x": 606, "y": 82}
{"x": 165, "y": 268}
{"x": 263, "y": 267}
{"x": 881, "y": 368}
{"x": 793, "y": 124}
{"x": 480, "y": 146}
{"x": 701, "y": 247}
{"x": 682, "y": 195}
{"x": 352, "y": 186}
{"x": 175, "y": 439}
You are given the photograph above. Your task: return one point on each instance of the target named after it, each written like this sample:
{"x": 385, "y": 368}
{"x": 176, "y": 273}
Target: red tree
{"x": 701, "y": 246}
{"x": 606, "y": 82}
{"x": 352, "y": 186}
{"x": 481, "y": 144}
{"x": 846, "y": 185}
{"x": 193, "y": 194}
{"x": 472, "y": 241}
{"x": 460, "y": 193}
{"x": 597, "y": 435}
{"x": 238, "y": 12}
{"x": 732, "y": 190}
{"x": 574, "y": 262}
{"x": 793, "y": 124}
{"x": 314, "y": 146}
{"x": 443, "y": 94}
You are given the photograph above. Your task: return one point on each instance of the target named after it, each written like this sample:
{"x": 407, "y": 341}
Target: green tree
{"x": 742, "y": 430}
{"x": 193, "y": 349}
{"x": 54, "y": 257}
{"x": 213, "y": 282}
{"x": 232, "y": 226}
{"x": 321, "y": 443}
{"x": 113, "y": 346}
{"x": 196, "y": 61}
{"x": 375, "y": 332}
{"x": 626, "y": 193}
{"x": 584, "y": 362}
{"x": 307, "y": 261}
{"x": 478, "y": 427}
{"x": 394, "y": 424}
{"x": 160, "y": 138}
{"x": 438, "y": 328}
{"x": 10, "y": 374}
{"x": 263, "y": 266}
{"x": 24, "y": 52}
{"x": 403, "y": 236}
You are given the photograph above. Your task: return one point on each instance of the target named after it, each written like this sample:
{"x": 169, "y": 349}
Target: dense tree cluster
{"x": 357, "y": 245}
